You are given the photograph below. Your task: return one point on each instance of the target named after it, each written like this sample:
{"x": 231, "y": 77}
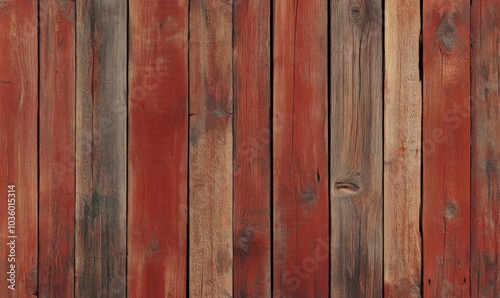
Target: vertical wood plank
{"x": 485, "y": 278}
{"x": 402, "y": 148}
{"x": 210, "y": 149}
{"x": 300, "y": 142}
{"x": 446, "y": 148}
{"x": 101, "y": 165}
{"x": 18, "y": 136}
{"x": 356, "y": 154}
{"x": 57, "y": 149}
{"x": 158, "y": 143}
{"x": 252, "y": 152}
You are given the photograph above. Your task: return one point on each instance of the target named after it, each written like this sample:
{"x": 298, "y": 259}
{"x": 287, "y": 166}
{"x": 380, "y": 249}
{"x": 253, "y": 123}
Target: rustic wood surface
{"x": 485, "y": 145}
{"x": 101, "y": 148}
{"x": 18, "y": 135}
{"x": 300, "y": 149}
{"x": 252, "y": 149}
{"x": 211, "y": 149}
{"x": 402, "y": 150}
{"x": 56, "y": 211}
{"x": 356, "y": 148}
{"x": 446, "y": 148}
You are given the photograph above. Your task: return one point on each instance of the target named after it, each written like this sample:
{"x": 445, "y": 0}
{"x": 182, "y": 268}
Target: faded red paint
{"x": 446, "y": 148}
{"x": 158, "y": 143}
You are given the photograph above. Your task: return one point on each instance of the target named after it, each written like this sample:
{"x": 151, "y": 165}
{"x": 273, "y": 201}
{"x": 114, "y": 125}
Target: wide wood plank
{"x": 210, "y": 149}
{"x": 101, "y": 148}
{"x": 356, "y": 153}
{"x": 158, "y": 143}
{"x": 252, "y": 152}
{"x": 18, "y": 136}
{"x": 402, "y": 150}
{"x": 485, "y": 232}
{"x": 446, "y": 148}
{"x": 300, "y": 142}
{"x": 57, "y": 149}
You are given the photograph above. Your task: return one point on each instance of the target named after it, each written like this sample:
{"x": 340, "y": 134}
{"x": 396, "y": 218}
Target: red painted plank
{"x": 57, "y": 149}
{"x": 18, "y": 136}
{"x": 158, "y": 143}
{"x": 252, "y": 154}
{"x": 300, "y": 136}
{"x": 485, "y": 63}
{"x": 446, "y": 148}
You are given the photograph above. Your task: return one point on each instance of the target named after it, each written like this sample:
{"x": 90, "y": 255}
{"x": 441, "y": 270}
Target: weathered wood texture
{"x": 446, "y": 151}
{"x": 485, "y": 204}
{"x": 57, "y": 149}
{"x": 252, "y": 148}
{"x": 300, "y": 140}
{"x": 101, "y": 148}
{"x": 402, "y": 150}
{"x": 158, "y": 142}
{"x": 210, "y": 149}
{"x": 356, "y": 152}
{"x": 18, "y": 136}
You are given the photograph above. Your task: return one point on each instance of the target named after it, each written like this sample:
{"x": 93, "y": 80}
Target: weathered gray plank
{"x": 356, "y": 153}
{"x": 101, "y": 140}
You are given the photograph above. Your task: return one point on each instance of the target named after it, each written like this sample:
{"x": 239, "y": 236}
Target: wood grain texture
{"x": 18, "y": 136}
{"x": 210, "y": 149}
{"x": 57, "y": 149}
{"x": 356, "y": 153}
{"x": 402, "y": 150}
{"x": 485, "y": 221}
{"x": 300, "y": 142}
{"x": 252, "y": 152}
{"x": 158, "y": 143}
{"x": 446, "y": 149}
{"x": 101, "y": 148}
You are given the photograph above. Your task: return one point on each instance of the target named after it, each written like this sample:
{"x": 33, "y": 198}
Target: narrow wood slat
{"x": 57, "y": 149}
{"x": 158, "y": 143}
{"x": 356, "y": 153}
{"x": 18, "y": 136}
{"x": 402, "y": 150}
{"x": 252, "y": 154}
{"x": 300, "y": 142}
{"x": 485, "y": 246}
{"x": 101, "y": 164}
{"x": 210, "y": 149}
{"x": 446, "y": 148}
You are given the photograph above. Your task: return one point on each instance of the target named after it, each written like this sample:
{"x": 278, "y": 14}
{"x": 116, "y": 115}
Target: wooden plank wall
{"x": 250, "y": 148}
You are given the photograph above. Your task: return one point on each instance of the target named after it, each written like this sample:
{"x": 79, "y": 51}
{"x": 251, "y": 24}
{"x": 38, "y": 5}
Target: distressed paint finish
{"x": 18, "y": 136}
{"x": 210, "y": 149}
{"x": 57, "y": 149}
{"x": 101, "y": 165}
{"x": 402, "y": 150}
{"x": 300, "y": 142}
{"x": 356, "y": 153}
{"x": 485, "y": 221}
{"x": 252, "y": 152}
{"x": 446, "y": 148}
{"x": 158, "y": 142}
